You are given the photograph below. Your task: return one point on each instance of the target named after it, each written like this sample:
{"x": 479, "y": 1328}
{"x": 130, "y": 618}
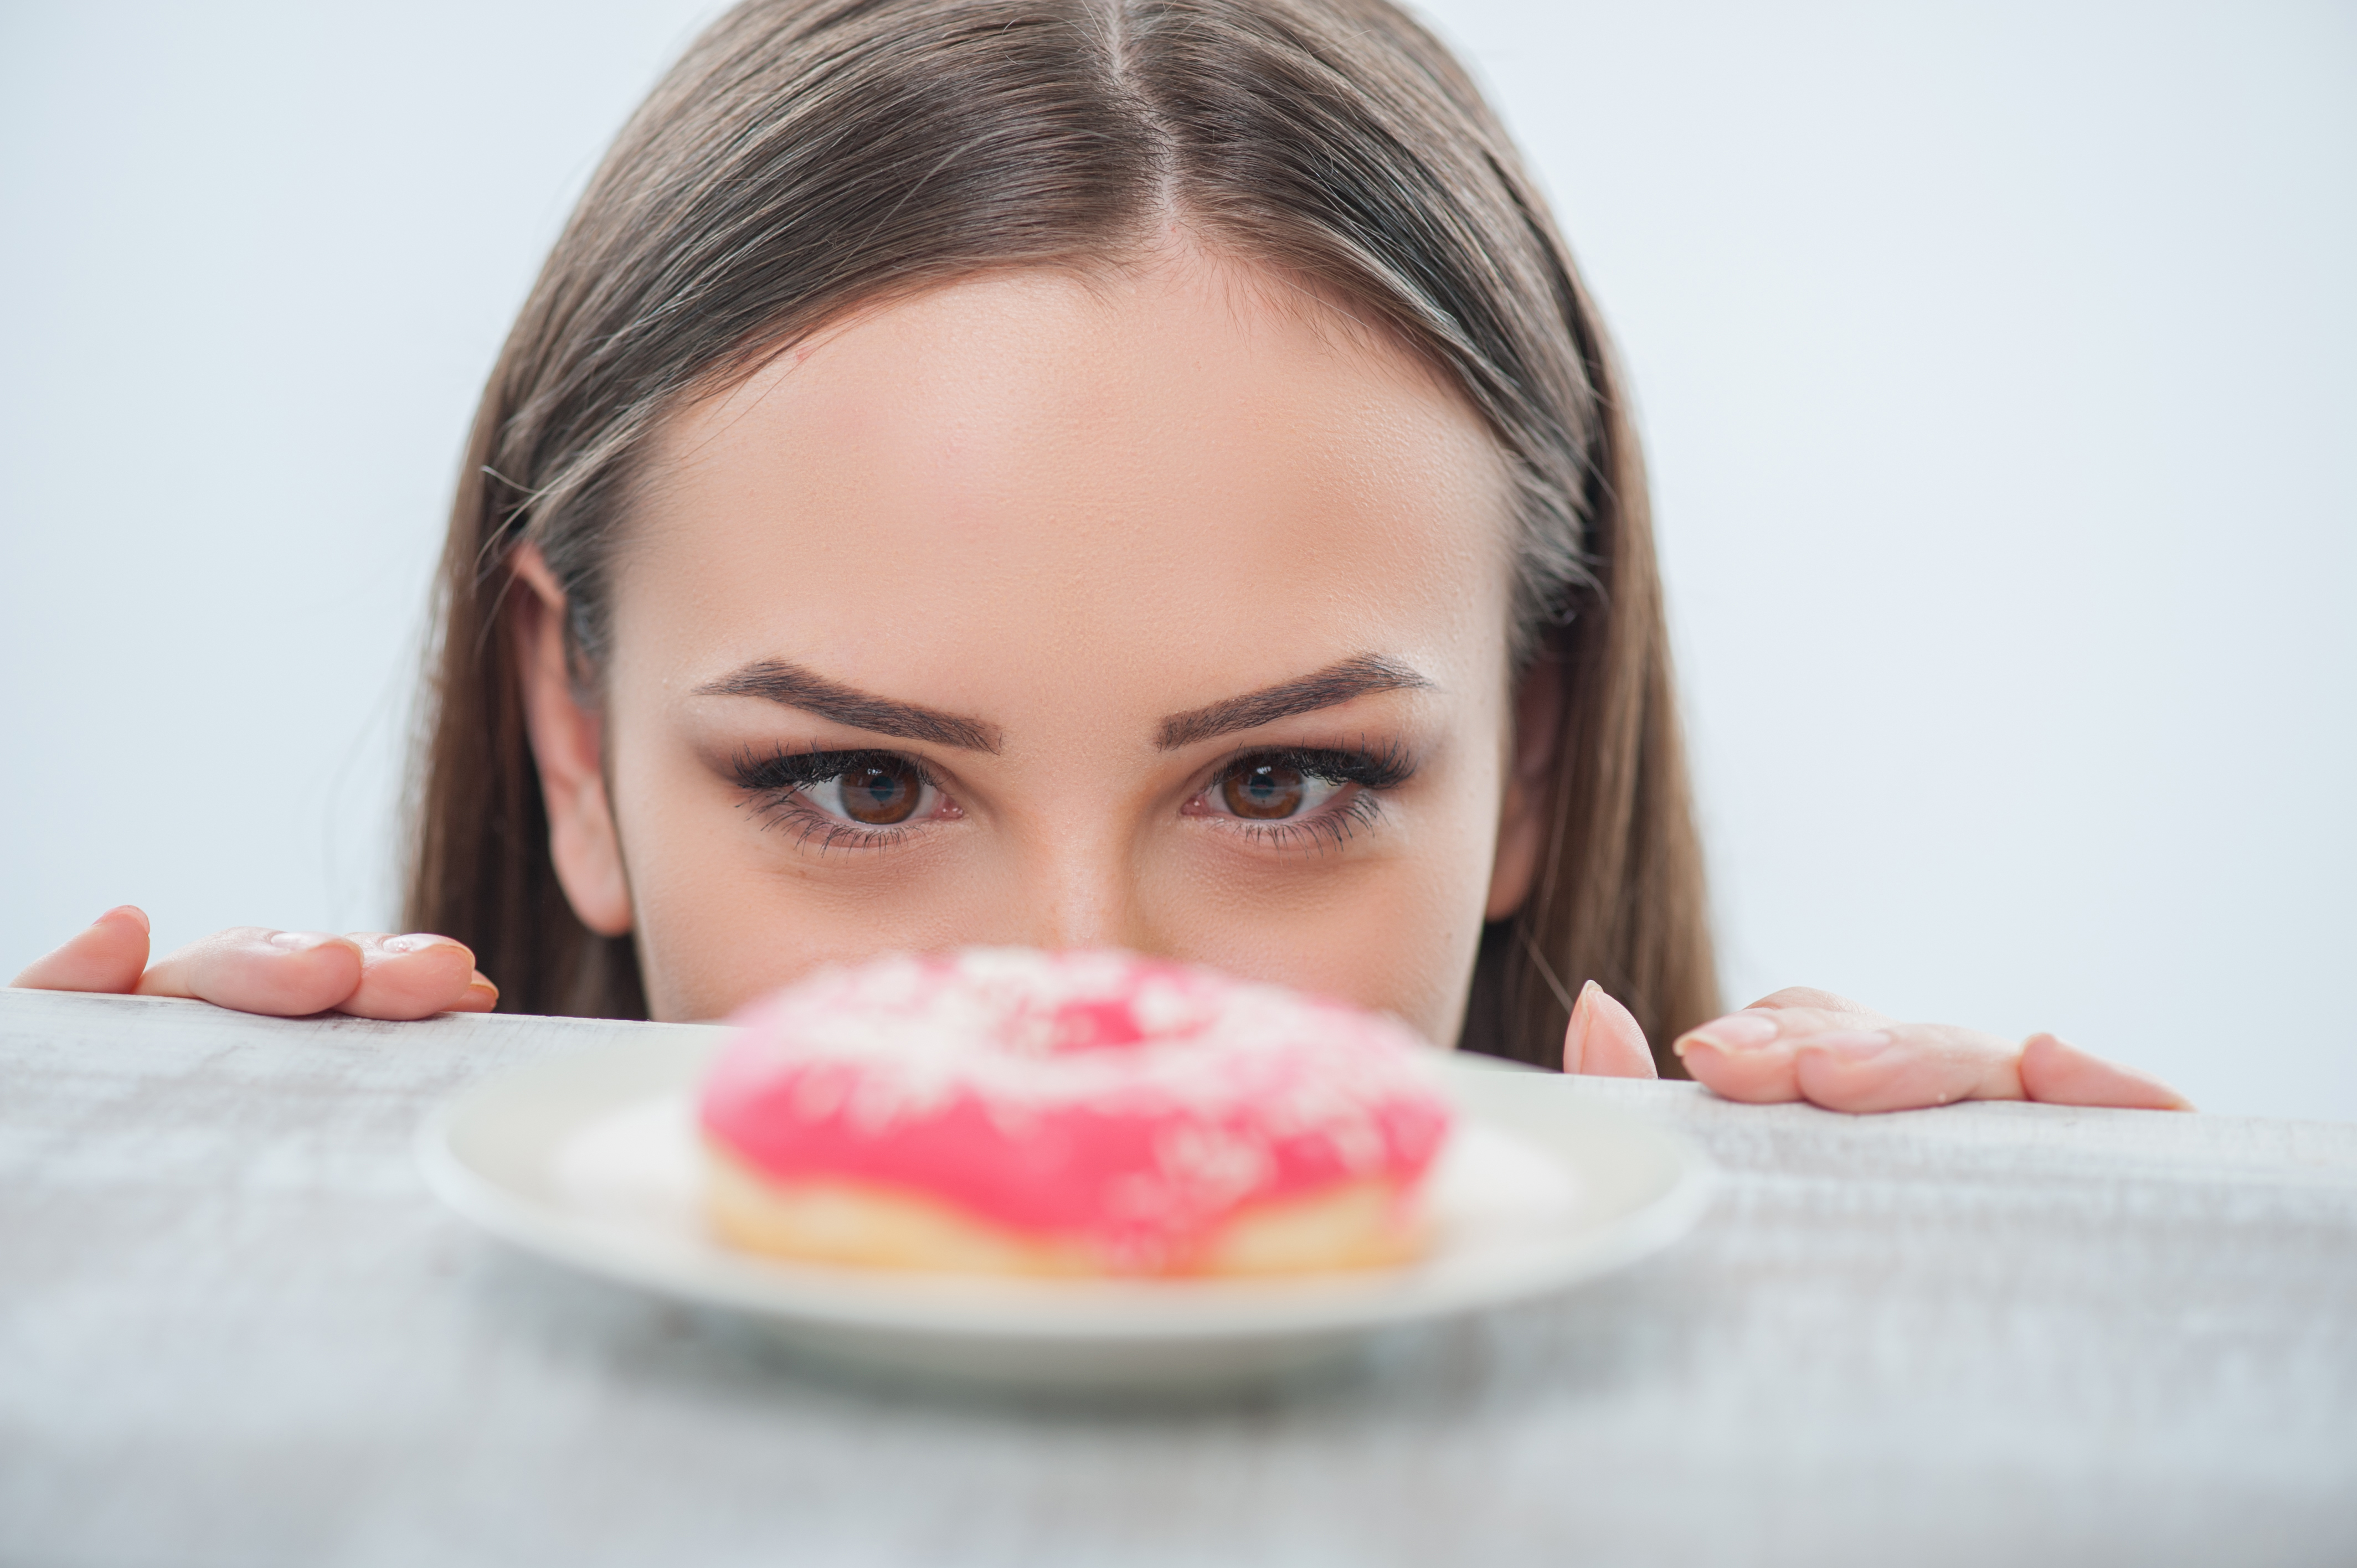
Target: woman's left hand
{"x": 1800, "y": 1044}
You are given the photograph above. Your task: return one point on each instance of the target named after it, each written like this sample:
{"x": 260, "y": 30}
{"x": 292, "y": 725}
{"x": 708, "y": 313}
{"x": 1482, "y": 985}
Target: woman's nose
{"x": 1086, "y": 899}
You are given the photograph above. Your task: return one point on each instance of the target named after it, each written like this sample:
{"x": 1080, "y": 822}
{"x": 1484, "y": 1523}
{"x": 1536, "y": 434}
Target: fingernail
{"x": 485, "y": 987}
{"x": 1575, "y": 1033}
{"x": 417, "y": 942}
{"x": 1736, "y": 1032}
{"x": 133, "y": 910}
{"x": 299, "y": 941}
{"x": 1850, "y": 1045}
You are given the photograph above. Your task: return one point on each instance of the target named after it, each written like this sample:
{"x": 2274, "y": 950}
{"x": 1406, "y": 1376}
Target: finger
{"x": 2062, "y": 1074}
{"x": 1904, "y": 1067}
{"x": 1747, "y": 1056}
{"x": 1808, "y": 998}
{"x": 1769, "y": 1055}
{"x": 1604, "y": 1038}
{"x": 107, "y": 955}
{"x": 254, "y": 969}
{"x": 415, "y": 976}
{"x": 1743, "y": 1056}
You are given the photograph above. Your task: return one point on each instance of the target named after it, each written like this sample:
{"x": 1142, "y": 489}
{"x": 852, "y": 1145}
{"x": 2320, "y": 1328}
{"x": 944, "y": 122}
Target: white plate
{"x": 590, "y": 1159}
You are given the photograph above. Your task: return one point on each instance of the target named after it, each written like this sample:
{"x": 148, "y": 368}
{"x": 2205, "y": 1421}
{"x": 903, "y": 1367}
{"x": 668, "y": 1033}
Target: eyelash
{"x": 1373, "y": 769}
{"x": 776, "y": 780}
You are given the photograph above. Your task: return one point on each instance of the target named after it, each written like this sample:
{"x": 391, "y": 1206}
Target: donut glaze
{"x": 1115, "y": 1112}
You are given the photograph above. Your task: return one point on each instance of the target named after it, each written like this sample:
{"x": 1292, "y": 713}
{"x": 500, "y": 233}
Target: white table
{"x": 235, "y": 1329}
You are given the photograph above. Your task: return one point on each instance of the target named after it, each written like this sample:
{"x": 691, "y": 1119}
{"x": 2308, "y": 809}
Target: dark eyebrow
{"x": 1330, "y": 687}
{"x": 791, "y": 685}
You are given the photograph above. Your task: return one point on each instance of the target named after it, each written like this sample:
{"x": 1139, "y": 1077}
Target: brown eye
{"x": 880, "y": 794}
{"x": 1263, "y": 791}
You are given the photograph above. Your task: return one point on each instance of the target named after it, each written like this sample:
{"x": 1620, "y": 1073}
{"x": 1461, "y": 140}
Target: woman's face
{"x": 1163, "y": 610}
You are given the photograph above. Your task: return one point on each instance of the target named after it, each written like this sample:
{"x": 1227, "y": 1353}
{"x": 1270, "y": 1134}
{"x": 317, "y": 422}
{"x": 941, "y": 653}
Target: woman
{"x": 1069, "y": 472}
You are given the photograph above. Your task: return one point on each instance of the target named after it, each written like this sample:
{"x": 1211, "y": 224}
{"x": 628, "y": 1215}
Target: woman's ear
{"x": 567, "y": 743}
{"x": 1521, "y": 823}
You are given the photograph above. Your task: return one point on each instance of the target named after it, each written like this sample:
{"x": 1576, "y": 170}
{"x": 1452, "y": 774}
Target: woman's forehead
{"x": 1156, "y": 466}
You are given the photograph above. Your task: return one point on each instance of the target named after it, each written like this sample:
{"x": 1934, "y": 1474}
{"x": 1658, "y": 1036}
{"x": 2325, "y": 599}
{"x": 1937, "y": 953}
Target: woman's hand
{"x": 1800, "y": 1044}
{"x": 369, "y": 974}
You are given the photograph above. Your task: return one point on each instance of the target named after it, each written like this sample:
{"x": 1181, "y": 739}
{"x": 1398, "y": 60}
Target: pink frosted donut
{"x": 1005, "y": 1111}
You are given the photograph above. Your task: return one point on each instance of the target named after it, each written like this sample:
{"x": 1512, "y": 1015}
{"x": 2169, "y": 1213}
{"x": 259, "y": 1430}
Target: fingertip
{"x": 415, "y": 976}
{"x": 429, "y": 942}
{"x": 306, "y": 950}
{"x": 1752, "y": 1077}
{"x": 1616, "y": 1045}
{"x": 1863, "y": 1081}
{"x": 1703, "y": 1059}
{"x": 324, "y": 950}
{"x": 1806, "y": 998}
{"x": 306, "y": 941}
{"x": 1576, "y": 1027}
{"x": 2056, "y": 1072}
{"x": 107, "y": 956}
{"x": 1736, "y": 1034}
{"x": 1708, "y": 1067}
{"x": 1739, "y": 1056}
{"x": 311, "y": 972}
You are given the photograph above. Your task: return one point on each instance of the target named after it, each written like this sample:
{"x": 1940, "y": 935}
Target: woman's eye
{"x": 880, "y": 794}
{"x": 1271, "y": 792}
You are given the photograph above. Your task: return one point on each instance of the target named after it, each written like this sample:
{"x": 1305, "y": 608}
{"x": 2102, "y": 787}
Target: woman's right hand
{"x": 289, "y": 975}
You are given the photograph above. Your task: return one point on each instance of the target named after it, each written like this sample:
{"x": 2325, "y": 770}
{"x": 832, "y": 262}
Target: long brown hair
{"x": 806, "y": 155}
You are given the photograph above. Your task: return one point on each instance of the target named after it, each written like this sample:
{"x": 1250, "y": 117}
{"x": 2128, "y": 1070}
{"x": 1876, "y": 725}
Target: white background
{"x": 1998, "y": 365}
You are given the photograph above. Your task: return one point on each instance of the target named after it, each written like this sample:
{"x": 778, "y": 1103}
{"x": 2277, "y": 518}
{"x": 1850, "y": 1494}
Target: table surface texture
{"x": 235, "y": 1329}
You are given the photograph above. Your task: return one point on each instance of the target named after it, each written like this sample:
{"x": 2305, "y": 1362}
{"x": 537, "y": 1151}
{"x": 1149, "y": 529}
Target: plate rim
{"x": 981, "y": 1308}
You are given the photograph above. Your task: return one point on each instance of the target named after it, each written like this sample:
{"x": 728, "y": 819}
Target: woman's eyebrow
{"x": 791, "y": 685}
{"x": 1330, "y": 687}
